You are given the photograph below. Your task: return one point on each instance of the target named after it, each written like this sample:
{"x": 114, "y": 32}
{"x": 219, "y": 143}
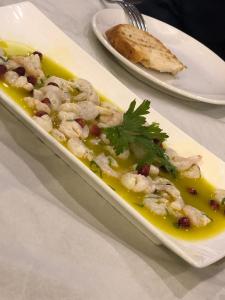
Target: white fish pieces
{"x": 65, "y": 85}
{"x": 11, "y": 65}
{"x": 220, "y": 196}
{"x": 37, "y": 105}
{"x": 197, "y": 218}
{"x": 182, "y": 163}
{"x": 87, "y": 92}
{"x": 137, "y": 183}
{"x": 13, "y": 79}
{"x": 73, "y": 129}
{"x": 45, "y": 122}
{"x": 193, "y": 172}
{"x": 109, "y": 115}
{"x": 77, "y": 147}
{"x": 31, "y": 64}
{"x": 154, "y": 171}
{"x": 66, "y": 116}
{"x": 53, "y": 93}
{"x": 156, "y": 205}
{"x": 58, "y": 135}
{"x": 85, "y": 109}
{"x": 106, "y": 163}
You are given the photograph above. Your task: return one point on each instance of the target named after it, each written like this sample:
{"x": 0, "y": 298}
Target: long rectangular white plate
{"x": 24, "y": 23}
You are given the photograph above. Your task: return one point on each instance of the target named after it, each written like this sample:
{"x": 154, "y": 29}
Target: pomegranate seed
{"x": 184, "y": 222}
{"x": 214, "y": 204}
{"x": 20, "y": 71}
{"x": 95, "y": 130}
{"x": 32, "y": 79}
{"x": 39, "y": 54}
{"x": 40, "y": 113}
{"x": 144, "y": 170}
{"x": 46, "y": 101}
{"x": 53, "y": 83}
{"x": 3, "y": 70}
{"x": 192, "y": 191}
{"x": 81, "y": 122}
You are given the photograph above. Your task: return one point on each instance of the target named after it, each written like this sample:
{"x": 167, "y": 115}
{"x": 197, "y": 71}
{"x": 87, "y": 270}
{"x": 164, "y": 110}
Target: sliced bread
{"x": 141, "y": 47}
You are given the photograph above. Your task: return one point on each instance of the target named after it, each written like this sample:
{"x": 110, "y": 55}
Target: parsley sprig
{"x": 142, "y": 139}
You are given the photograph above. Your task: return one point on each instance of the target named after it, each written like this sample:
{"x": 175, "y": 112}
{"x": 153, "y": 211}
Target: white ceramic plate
{"x": 26, "y": 24}
{"x": 203, "y": 80}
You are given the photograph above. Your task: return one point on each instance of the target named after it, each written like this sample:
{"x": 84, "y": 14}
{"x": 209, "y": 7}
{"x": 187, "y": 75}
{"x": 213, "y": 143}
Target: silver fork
{"x": 132, "y": 12}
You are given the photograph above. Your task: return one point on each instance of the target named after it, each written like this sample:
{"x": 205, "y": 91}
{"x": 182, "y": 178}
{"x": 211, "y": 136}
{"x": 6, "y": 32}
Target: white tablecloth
{"x": 58, "y": 238}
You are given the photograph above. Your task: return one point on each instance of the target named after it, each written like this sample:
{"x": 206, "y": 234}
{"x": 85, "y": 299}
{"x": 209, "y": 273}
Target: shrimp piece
{"x": 58, "y": 135}
{"x": 88, "y": 110}
{"x": 220, "y": 196}
{"x": 44, "y": 121}
{"x": 77, "y": 147}
{"x": 104, "y": 163}
{"x": 156, "y": 204}
{"x": 37, "y": 105}
{"x": 13, "y": 79}
{"x": 65, "y": 85}
{"x": 31, "y": 64}
{"x": 72, "y": 129}
{"x": 66, "y": 116}
{"x": 137, "y": 183}
{"x": 85, "y": 110}
{"x": 124, "y": 155}
{"x": 154, "y": 171}
{"x": 193, "y": 172}
{"x": 109, "y": 116}
{"x": 11, "y": 65}
{"x": 197, "y": 218}
{"x": 53, "y": 93}
{"x": 87, "y": 92}
{"x": 182, "y": 163}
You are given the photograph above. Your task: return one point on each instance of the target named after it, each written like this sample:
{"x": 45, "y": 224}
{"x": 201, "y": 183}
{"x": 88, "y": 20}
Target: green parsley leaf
{"x": 142, "y": 139}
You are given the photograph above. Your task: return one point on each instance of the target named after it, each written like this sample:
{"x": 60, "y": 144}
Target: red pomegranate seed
{"x": 81, "y": 122}
{"x": 184, "y": 222}
{"x": 192, "y": 191}
{"x": 144, "y": 170}
{"x": 214, "y": 204}
{"x": 39, "y": 54}
{"x": 46, "y": 101}
{"x": 95, "y": 130}
{"x": 32, "y": 79}
{"x": 53, "y": 83}
{"x": 3, "y": 70}
{"x": 20, "y": 71}
{"x": 40, "y": 113}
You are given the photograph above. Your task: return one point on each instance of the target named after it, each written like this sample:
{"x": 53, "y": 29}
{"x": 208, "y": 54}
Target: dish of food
{"x": 201, "y": 81}
{"x": 141, "y": 47}
{"x": 120, "y": 148}
{"x": 199, "y": 251}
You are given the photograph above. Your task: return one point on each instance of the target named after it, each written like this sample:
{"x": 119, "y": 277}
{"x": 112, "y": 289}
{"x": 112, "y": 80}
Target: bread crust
{"x": 141, "y": 47}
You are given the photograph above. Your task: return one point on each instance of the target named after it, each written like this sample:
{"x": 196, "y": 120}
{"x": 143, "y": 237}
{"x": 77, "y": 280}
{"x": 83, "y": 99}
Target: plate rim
{"x": 146, "y": 77}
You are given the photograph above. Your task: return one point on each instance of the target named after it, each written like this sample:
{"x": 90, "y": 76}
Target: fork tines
{"x": 134, "y": 15}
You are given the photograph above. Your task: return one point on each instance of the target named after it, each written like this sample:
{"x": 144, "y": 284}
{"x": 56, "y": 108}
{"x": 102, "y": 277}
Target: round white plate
{"x": 203, "y": 80}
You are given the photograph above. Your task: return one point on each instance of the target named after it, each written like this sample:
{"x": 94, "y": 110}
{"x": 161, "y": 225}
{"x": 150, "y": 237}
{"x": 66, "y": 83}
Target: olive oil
{"x": 167, "y": 224}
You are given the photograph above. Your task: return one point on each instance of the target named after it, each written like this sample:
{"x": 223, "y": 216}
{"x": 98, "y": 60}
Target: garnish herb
{"x": 95, "y": 168}
{"x": 137, "y": 136}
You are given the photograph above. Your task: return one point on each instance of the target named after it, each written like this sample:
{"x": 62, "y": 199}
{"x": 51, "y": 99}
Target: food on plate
{"x": 141, "y": 47}
{"x": 126, "y": 152}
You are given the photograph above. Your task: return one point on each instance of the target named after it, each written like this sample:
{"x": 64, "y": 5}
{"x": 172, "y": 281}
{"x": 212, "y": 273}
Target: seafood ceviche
{"x": 116, "y": 145}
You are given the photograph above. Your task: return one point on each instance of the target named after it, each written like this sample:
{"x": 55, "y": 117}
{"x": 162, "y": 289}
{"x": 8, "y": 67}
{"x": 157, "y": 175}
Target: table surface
{"x": 58, "y": 241}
